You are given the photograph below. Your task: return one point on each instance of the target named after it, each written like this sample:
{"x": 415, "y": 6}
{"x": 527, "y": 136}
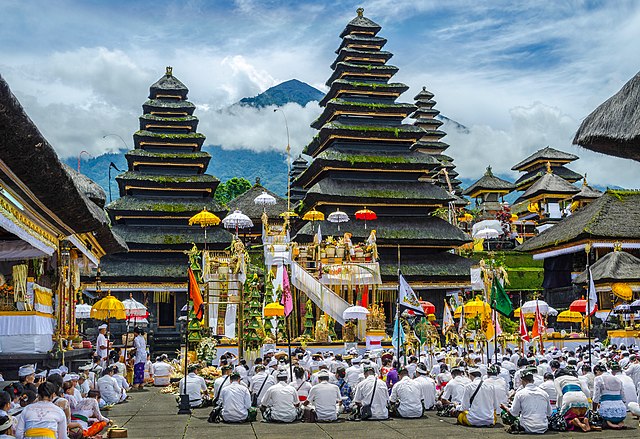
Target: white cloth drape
{"x": 230, "y": 320}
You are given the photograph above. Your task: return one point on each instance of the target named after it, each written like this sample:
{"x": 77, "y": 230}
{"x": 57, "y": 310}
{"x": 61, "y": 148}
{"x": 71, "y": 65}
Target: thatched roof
{"x": 550, "y": 183}
{"x": 173, "y": 237}
{"x": 547, "y": 154}
{"x": 617, "y": 266}
{"x": 614, "y": 216}
{"x": 434, "y": 267}
{"x": 614, "y": 127}
{"x": 587, "y": 193}
{"x": 245, "y": 203}
{"x": 128, "y": 267}
{"x": 168, "y": 85}
{"x": 34, "y": 161}
{"x": 489, "y": 182}
{"x": 360, "y": 23}
{"x": 90, "y": 188}
{"x": 560, "y": 171}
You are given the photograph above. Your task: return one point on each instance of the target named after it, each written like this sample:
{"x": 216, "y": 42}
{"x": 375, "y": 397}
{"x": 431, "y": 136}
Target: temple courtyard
{"x": 154, "y": 415}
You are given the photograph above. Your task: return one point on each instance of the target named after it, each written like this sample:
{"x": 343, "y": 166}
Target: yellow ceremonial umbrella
{"x": 473, "y": 308}
{"x": 273, "y": 310}
{"x": 313, "y": 215}
{"x": 465, "y": 218}
{"x": 108, "y": 308}
{"x": 622, "y": 291}
{"x": 516, "y": 313}
{"x": 204, "y": 219}
{"x": 569, "y": 317}
{"x": 289, "y": 214}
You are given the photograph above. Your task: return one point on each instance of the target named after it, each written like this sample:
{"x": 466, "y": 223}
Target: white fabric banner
{"x": 26, "y": 325}
{"x": 328, "y": 301}
{"x": 230, "y": 320}
{"x": 476, "y": 279}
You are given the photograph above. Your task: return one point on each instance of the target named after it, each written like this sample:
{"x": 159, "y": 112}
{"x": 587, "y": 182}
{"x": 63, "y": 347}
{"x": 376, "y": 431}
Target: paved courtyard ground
{"x": 154, "y": 415}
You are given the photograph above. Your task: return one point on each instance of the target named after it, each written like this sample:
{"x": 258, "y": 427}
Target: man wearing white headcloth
{"x": 427, "y": 387}
{"x": 479, "y": 402}
{"x": 102, "y": 345}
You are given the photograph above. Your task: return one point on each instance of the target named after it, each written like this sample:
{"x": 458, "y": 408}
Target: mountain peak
{"x": 292, "y": 90}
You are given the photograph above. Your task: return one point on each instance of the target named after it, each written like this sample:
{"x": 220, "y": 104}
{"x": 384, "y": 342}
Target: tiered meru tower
{"x": 364, "y": 157}
{"x": 164, "y": 186}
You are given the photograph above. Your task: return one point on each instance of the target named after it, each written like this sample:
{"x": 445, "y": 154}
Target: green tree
{"x": 230, "y": 189}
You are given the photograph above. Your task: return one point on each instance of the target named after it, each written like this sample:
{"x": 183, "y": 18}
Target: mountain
{"x": 288, "y": 91}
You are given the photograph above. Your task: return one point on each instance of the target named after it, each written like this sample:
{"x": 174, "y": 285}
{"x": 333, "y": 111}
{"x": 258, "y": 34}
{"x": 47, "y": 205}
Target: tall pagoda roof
{"x": 168, "y": 85}
{"x": 617, "y": 266}
{"x": 612, "y": 217}
{"x": 546, "y": 154}
{"x": 524, "y": 181}
{"x": 489, "y": 183}
{"x": 362, "y": 42}
{"x": 587, "y": 193}
{"x": 551, "y": 184}
{"x": 361, "y": 25}
{"x": 245, "y": 203}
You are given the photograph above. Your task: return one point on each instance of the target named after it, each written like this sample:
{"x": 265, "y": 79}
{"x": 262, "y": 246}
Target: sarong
{"x": 138, "y": 373}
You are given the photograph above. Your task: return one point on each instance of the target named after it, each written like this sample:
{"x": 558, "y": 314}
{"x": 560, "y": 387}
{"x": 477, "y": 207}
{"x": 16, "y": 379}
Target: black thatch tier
{"x": 196, "y": 162}
{"x": 614, "y": 127}
{"x": 550, "y": 184}
{"x": 33, "y": 160}
{"x": 612, "y": 217}
{"x": 587, "y": 193}
{"x": 161, "y": 207}
{"x": 366, "y": 72}
{"x": 151, "y": 122}
{"x": 530, "y": 177}
{"x": 168, "y": 87}
{"x": 427, "y": 231}
{"x": 424, "y": 95}
{"x": 343, "y": 158}
{"x": 361, "y": 42}
{"x": 164, "y": 107}
{"x": 180, "y": 238}
{"x": 370, "y": 193}
{"x": 403, "y": 134}
{"x": 544, "y": 155}
{"x": 90, "y": 188}
{"x": 430, "y": 125}
{"x": 135, "y": 182}
{"x": 148, "y": 139}
{"x": 133, "y": 268}
{"x": 396, "y": 113}
{"x": 361, "y": 26}
{"x": 246, "y": 204}
{"x": 435, "y": 267}
{"x": 617, "y": 266}
{"x": 430, "y": 146}
{"x": 424, "y": 113}
{"x": 490, "y": 183}
{"x": 362, "y": 56}
{"x": 372, "y": 90}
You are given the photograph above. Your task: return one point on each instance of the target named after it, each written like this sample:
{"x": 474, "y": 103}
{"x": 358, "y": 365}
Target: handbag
{"x": 309, "y": 415}
{"x": 215, "y": 400}
{"x": 365, "y": 411}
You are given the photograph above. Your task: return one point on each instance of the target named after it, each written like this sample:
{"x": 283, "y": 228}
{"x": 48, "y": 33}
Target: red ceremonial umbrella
{"x": 427, "y": 307}
{"x": 579, "y": 305}
{"x": 366, "y": 215}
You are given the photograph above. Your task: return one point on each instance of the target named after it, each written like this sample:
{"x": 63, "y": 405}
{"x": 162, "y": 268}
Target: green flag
{"x": 500, "y": 300}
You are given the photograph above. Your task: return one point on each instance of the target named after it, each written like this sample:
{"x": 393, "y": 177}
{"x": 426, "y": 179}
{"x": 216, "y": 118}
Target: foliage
{"x": 508, "y": 326}
{"x": 230, "y": 189}
{"x": 253, "y": 330}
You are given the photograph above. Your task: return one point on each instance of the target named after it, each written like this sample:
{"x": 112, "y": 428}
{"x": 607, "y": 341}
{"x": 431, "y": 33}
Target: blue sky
{"x": 519, "y": 75}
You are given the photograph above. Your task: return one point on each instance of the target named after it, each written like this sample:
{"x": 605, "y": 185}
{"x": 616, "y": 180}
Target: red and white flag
{"x": 286, "y": 300}
{"x": 524, "y": 334}
{"x": 538, "y": 325}
{"x": 593, "y": 296}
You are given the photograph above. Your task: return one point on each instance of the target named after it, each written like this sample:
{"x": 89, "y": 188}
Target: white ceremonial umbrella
{"x": 83, "y": 311}
{"x": 264, "y": 199}
{"x": 530, "y": 307}
{"x": 338, "y": 217}
{"x": 552, "y": 312}
{"x": 237, "y": 220}
{"x": 355, "y": 313}
{"x": 486, "y": 234}
{"x": 134, "y": 310}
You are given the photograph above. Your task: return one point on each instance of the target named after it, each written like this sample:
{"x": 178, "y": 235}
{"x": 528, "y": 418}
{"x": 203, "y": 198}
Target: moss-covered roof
{"x": 441, "y": 266}
{"x": 170, "y": 104}
{"x": 528, "y": 178}
{"x": 141, "y": 153}
{"x": 187, "y": 136}
{"x": 616, "y": 266}
{"x": 360, "y": 23}
{"x": 167, "y": 179}
{"x": 168, "y": 119}
{"x": 366, "y": 40}
{"x": 245, "y": 203}
{"x": 546, "y": 154}
{"x": 152, "y": 237}
{"x": 550, "y": 183}
{"x": 164, "y": 205}
{"x": 346, "y": 68}
{"x": 489, "y": 182}
{"x": 371, "y": 87}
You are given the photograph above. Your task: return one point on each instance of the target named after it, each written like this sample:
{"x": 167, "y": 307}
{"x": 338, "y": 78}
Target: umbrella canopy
{"x": 338, "y": 217}
{"x": 635, "y": 305}
{"x": 83, "y": 311}
{"x": 473, "y": 308}
{"x": 204, "y": 219}
{"x": 355, "y": 313}
{"x": 486, "y": 234}
{"x": 366, "y": 215}
{"x": 108, "y": 308}
{"x": 569, "y": 317}
{"x": 273, "y": 310}
{"x": 427, "y": 307}
{"x": 623, "y": 309}
{"x": 580, "y": 305}
{"x": 614, "y": 127}
{"x": 530, "y": 307}
{"x": 134, "y": 309}
{"x": 313, "y": 215}
{"x": 265, "y": 199}
{"x": 237, "y": 220}
{"x": 289, "y": 214}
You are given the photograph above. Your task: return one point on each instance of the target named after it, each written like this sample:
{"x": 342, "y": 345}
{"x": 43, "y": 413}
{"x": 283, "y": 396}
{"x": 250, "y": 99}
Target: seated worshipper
{"x": 235, "y": 400}
{"x": 608, "y": 397}
{"x": 5, "y": 403}
{"x": 498, "y": 383}
{"x": 443, "y": 376}
{"x": 6, "y": 427}
{"x": 354, "y": 373}
{"x": 58, "y": 398}
{"x": 27, "y": 377}
{"x": 479, "y": 402}
{"x": 109, "y": 389}
{"x": 88, "y": 416}
{"x": 243, "y": 370}
{"x": 148, "y": 370}
{"x": 280, "y": 402}
{"x": 628, "y": 385}
{"x": 549, "y": 386}
{"x": 427, "y": 387}
{"x": 573, "y": 402}
{"x": 122, "y": 382}
{"x": 531, "y": 406}
{"x": 162, "y": 372}
{"x": 42, "y": 419}
{"x": 406, "y": 396}
{"x": 67, "y": 393}
{"x": 323, "y": 367}
{"x": 301, "y": 385}
{"x": 372, "y": 392}
{"x": 260, "y": 383}
{"x": 84, "y": 384}
{"x": 222, "y": 381}
{"x": 324, "y": 398}
{"x": 345, "y": 389}
{"x": 392, "y": 375}
{"x": 454, "y": 390}
{"x": 195, "y": 386}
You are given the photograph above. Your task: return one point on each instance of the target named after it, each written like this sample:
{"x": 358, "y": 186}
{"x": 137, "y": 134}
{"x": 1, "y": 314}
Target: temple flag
{"x": 524, "y": 334}
{"x": 397, "y": 337}
{"x": 500, "y": 300}
{"x": 593, "y": 296}
{"x": 407, "y": 298}
{"x": 195, "y": 296}
{"x": 447, "y": 318}
{"x": 286, "y": 300}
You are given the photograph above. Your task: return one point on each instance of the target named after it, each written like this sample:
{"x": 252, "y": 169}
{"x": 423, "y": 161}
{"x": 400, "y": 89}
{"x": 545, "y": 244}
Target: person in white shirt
{"x": 109, "y": 389}
{"x": 354, "y": 373}
{"x": 195, "y": 386}
{"x": 454, "y": 390}
{"x": 301, "y": 385}
{"x": 324, "y": 398}
{"x": 162, "y": 372}
{"x": 609, "y": 394}
{"x": 407, "y": 395}
{"x": 42, "y": 416}
{"x": 260, "y": 383}
{"x": 280, "y": 402}
{"x": 222, "y": 381}
{"x": 531, "y": 406}
{"x": 550, "y": 388}
{"x": 364, "y": 395}
{"x": 493, "y": 372}
{"x": 102, "y": 346}
{"x": 235, "y": 400}
{"x": 140, "y": 358}
{"x": 148, "y": 371}
{"x": 242, "y": 370}
{"x": 122, "y": 382}
{"x": 479, "y": 403}
{"x": 629, "y": 386}
{"x": 632, "y": 369}
{"x": 323, "y": 367}
{"x": 427, "y": 387}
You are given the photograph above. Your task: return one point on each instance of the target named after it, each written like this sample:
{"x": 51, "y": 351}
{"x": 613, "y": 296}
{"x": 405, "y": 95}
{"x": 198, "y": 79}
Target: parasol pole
{"x": 588, "y": 251}
{"x": 185, "y": 405}
{"x": 495, "y": 325}
{"x": 398, "y": 306}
